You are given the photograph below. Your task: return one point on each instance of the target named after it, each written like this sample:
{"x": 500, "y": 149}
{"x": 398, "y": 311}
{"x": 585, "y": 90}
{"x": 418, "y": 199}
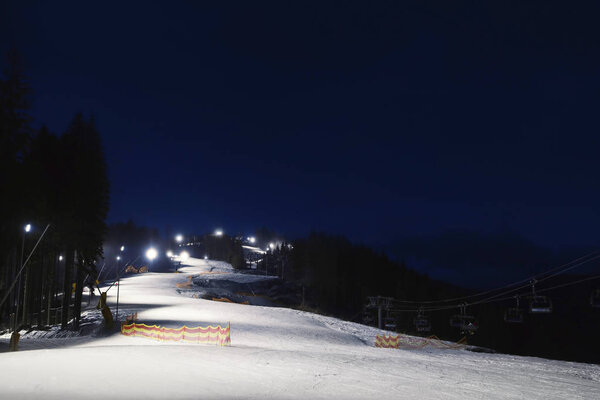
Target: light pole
{"x": 118, "y": 284}
{"x": 26, "y": 230}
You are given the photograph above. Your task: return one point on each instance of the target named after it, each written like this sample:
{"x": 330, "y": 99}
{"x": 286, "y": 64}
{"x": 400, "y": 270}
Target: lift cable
{"x": 492, "y": 300}
{"x": 561, "y": 269}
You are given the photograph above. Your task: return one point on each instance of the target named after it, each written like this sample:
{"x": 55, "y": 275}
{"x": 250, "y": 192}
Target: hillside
{"x": 275, "y": 353}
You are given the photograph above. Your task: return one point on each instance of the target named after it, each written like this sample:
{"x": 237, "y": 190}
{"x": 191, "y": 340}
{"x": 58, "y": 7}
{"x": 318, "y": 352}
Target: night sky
{"x": 376, "y": 120}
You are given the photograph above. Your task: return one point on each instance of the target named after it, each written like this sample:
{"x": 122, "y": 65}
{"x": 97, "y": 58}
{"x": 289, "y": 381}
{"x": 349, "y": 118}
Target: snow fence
{"x": 414, "y": 342}
{"x": 209, "y": 334}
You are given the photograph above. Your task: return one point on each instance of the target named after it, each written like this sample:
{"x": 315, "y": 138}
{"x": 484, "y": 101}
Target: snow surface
{"x": 276, "y": 353}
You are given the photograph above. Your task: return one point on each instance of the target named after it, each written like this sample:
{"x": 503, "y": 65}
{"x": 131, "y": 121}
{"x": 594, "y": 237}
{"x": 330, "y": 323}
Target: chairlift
{"x": 466, "y": 323}
{"x": 539, "y": 304}
{"x": 514, "y": 315}
{"x": 422, "y": 323}
{"x": 390, "y": 323}
{"x": 595, "y": 298}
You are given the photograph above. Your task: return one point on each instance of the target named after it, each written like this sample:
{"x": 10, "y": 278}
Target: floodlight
{"x": 151, "y": 253}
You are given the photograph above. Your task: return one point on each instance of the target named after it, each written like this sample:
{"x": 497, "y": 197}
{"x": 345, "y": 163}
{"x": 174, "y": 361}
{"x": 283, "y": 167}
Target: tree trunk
{"x": 67, "y": 287}
{"x": 50, "y": 287}
{"x": 78, "y": 293}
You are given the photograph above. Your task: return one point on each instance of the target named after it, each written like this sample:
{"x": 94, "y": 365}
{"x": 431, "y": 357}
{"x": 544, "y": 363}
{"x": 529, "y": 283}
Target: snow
{"x": 276, "y": 353}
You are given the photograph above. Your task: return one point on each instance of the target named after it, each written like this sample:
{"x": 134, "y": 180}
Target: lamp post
{"x": 26, "y": 230}
{"x": 118, "y": 285}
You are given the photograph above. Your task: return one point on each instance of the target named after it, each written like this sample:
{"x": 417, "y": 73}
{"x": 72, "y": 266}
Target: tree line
{"x": 58, "y": 182}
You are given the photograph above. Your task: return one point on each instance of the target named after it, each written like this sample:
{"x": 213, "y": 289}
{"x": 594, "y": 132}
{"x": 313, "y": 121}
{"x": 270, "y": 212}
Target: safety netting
{"x": 415, "y": 342}
{"x": 199, "y": 334}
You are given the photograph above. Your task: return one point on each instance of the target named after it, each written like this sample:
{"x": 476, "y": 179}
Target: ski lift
{"x": 514, "y": 314}
{"x": 539, "y": 304}
{"x": 390, "y": 324}
{"x": 421, "y": 322}
{"x": 595, "y": 298}
{"x": 466, "y": 323}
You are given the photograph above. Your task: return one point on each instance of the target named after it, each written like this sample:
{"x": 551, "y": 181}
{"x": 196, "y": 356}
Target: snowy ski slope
{"x": 276, "y": 353}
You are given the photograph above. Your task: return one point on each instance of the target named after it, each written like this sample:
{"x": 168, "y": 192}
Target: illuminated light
{"x": 151, "y": 253}
{"x": 169, "y": 253}
{"x": 272, "y": 245}
{"x": 179, "y": 238}
{"x": 206, "y": 257}
{"x": 118, "y": 258}
{"x": 27, "y": 227}
{"x": 219, "y": 232}
{"x": 60, "y": 258}
{"x": 252, "y": 239}
{"x": 122, "y": 248}
{"x": 184, "y": 255}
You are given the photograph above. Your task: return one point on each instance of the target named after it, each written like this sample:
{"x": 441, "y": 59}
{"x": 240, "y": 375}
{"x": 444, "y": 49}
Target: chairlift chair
{"x": 540, "y": 305}
{"x": 466, "y": 323}
{"x": 422, "y": 323}
{"x": 514, "y": 314}
{"x": 469, "y": 324}
{"x": 390, "y": 323}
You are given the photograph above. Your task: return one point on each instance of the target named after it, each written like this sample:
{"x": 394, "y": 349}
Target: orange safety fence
{"x": 388, "y": 342}
{"x": 209, "y": 334}
{"x": 414, "y": 342}
{"x": 226, "y": 300}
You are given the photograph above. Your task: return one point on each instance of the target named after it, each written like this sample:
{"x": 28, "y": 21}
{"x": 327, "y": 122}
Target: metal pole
{"x": 118, "y": 287}
{"x": 19, "y": 287}
{"x": 25, "y": 284}
{"x": 12, "y": 286}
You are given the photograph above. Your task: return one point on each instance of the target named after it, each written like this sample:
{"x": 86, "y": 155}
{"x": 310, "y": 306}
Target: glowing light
{"x": 169, "y": 253}
{"x": 206, "y": 257}
{"x": 118, "y": 258}
{"x": 252, "y": 239}
{"x": 60, "y": 258}
{"x": 184, "y": 255}
{"x": 272, "y": 245}
{"x": 27, "y": 227}
{"x": 179, "y": 238}
{"x": 219, "y": 232}
{"x": 151, "y": 253}
{"x": 122, "y": 248}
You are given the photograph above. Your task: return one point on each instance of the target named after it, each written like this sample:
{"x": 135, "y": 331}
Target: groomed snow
{"x": 276, "y": 353}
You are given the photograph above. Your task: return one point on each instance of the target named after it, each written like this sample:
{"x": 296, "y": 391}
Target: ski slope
{"x": 275, "y": 353}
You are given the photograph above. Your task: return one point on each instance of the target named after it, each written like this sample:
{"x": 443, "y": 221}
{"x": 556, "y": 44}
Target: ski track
{"x": 276, "y": 353}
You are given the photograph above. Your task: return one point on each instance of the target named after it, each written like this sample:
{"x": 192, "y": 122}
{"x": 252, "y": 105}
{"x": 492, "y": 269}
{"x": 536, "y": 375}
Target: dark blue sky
{"x": 374, "y": 120}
